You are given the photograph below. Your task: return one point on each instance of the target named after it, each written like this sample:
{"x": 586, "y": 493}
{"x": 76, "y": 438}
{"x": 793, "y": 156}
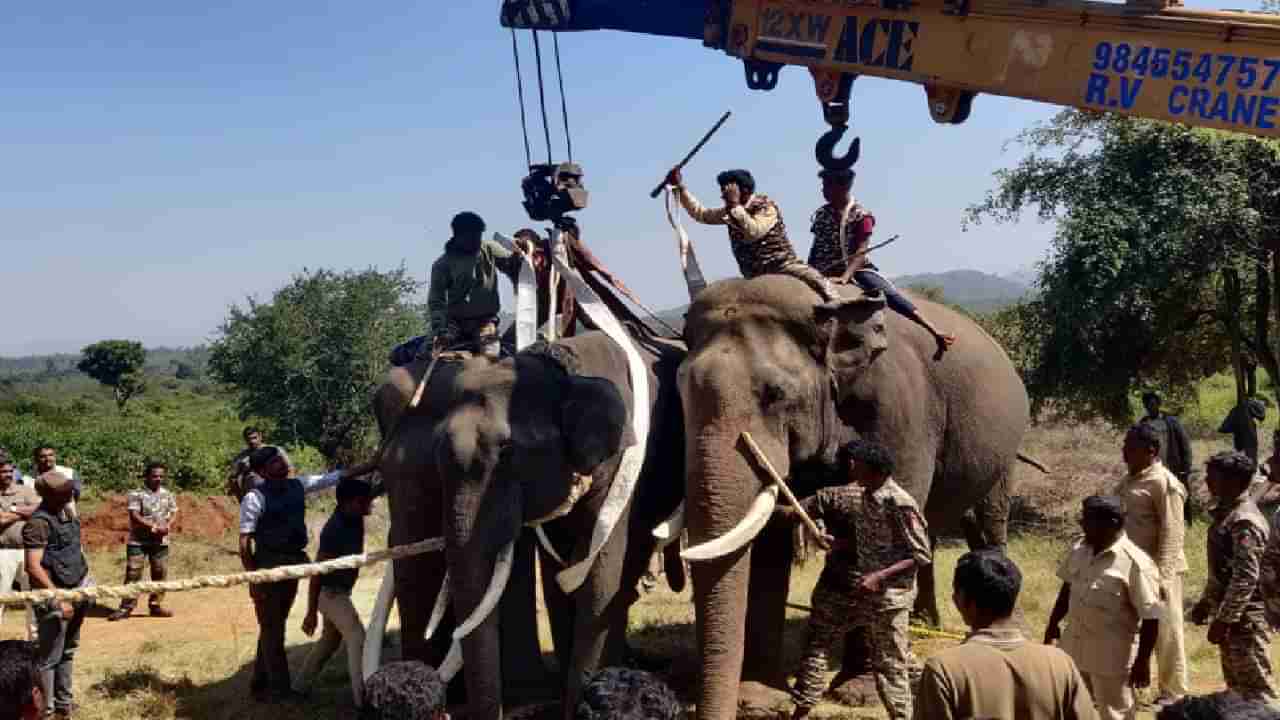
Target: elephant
{"x": 765, "y": 356}
{"x": 533, "y": 440}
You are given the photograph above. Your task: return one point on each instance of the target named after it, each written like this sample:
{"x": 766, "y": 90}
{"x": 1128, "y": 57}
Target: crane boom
{"x": 1218, "y": 69}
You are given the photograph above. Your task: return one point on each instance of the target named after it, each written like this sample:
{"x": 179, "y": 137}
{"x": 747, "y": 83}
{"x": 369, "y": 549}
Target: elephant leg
{"x": 524, "y": 675}
{"x": 993, "y": 512}
{"x": 772, "y": 554}
{"x": 973, "y": 534}
{"x": 559, "y": 613}
{"x": 600, "y": 615}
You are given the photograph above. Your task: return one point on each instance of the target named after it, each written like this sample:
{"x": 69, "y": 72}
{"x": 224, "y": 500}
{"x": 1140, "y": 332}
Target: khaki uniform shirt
{"x": 12, "y": 498}
{"x": 996, "y": 673}
{"x": 1111, "y": 593}
{"x": 1153, "y": 501}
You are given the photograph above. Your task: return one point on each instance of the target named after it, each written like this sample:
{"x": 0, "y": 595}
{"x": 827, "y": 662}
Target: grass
{"x": 196, "y": 665}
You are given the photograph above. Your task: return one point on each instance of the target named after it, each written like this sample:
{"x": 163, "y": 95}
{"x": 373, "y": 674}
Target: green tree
{"x": 310, "y": 358}
{"x": 116, "y": 364}
{"x": 1151, "y": 218}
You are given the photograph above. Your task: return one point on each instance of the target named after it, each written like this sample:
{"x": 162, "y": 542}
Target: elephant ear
{"x": 594, "y": 422}
{"x": 850, "y": 335}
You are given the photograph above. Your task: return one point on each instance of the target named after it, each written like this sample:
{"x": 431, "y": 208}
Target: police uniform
{"x": 1154, "y": 500}
{"x": 1112, "y": 592}
{"x": 880, "y": 529}
{"x": 758, "y": 237}
{"x": 1233, "y": 596}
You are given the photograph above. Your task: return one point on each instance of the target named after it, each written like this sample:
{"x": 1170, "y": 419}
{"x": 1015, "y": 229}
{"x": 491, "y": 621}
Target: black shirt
{"x": 342, "y": 535}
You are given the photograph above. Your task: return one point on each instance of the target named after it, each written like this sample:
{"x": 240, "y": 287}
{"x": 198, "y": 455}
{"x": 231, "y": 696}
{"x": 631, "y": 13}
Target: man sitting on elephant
{"x": 879, "y": 538}
{"x": 827, "y": 256}
{"x": 757, "y": 234}
{"x": 463, "y": 298}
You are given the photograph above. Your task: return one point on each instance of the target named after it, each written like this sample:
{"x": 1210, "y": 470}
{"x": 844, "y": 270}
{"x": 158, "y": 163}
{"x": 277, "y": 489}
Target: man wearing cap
{"x": 1232, "y": 599}
{"x": 825, "y": 254}
{"x": 330, "y": 594}
{"x": 17, "y": 503}
{"x": 54, "y": 560}
{"x": 463, "y": 299}
{"x": 273, "y": 533}
{"x": 757, "y": 234}
{"x": 1110, "y": 598}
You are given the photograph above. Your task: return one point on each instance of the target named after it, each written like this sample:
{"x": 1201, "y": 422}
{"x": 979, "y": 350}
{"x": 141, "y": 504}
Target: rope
{"x": 524, "y": 123}
{"x": 542, "y": 95}
{"x": 920, "y": 630}
{"x": 257, "y": 577}
{"x": 564, "y": 107}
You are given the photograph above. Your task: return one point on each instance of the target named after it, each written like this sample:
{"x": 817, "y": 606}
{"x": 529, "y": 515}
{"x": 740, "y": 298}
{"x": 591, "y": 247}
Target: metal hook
{"x": 824, "y": 150}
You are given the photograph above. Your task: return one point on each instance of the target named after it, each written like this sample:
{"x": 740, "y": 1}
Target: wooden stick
{"x": 694, "y": 151}
{"x": 786, "y": 491}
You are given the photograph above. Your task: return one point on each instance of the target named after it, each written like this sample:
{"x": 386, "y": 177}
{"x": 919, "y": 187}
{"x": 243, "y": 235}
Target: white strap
{"x": 526, "y": 296}
{"x": 628, "y": 473}
{"x": 693, "y": 279}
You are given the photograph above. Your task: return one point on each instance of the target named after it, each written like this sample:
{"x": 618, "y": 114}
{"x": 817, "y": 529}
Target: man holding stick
{"x": 878, "y": 538}
{"x": 841, "y": 210}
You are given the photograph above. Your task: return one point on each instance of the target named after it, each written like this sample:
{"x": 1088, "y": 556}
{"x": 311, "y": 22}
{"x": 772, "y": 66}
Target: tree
{"x": 1151, "y": 219}
{"x": 185, "y": 371}
{"x": 116, "y": 364}
{"x": 311, "y": 358}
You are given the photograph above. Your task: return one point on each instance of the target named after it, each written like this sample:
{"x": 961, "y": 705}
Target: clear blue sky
{"x": 163, "y": 160}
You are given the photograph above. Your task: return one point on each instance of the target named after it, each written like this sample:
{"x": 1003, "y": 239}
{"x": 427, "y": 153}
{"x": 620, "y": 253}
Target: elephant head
{"x": 764, "y": 357}
{"x": 516, "y": 446}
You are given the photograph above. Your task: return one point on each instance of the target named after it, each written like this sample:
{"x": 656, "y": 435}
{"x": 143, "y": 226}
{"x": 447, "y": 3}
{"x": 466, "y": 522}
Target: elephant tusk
{"x": 669, "y": 530}
{"x": 742, "y": 533}
{"x": 501, "y": 573}
{"x": 378, "y": 623}
{"x": 437, "y": 612}
{"x": 578, "y": 486}
{"x": 546, "y": 545}
{"x": 451, "y": 664}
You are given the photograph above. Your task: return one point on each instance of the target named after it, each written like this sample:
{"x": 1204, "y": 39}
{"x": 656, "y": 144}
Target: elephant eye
{"x": 770, "y": 394}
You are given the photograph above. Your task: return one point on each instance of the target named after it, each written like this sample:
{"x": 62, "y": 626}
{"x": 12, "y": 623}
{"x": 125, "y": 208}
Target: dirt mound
{"x": 208, "y": 518}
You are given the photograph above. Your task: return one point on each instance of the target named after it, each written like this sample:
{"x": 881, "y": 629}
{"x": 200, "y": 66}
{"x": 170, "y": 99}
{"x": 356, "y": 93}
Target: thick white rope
{"x": 256, "y": 577}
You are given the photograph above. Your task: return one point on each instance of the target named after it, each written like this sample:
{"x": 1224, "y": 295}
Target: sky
{"x": 163, "y": 161}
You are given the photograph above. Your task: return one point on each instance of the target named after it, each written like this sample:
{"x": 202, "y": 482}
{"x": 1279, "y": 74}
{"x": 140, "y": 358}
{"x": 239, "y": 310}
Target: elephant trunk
{"x": 722, "y": 490}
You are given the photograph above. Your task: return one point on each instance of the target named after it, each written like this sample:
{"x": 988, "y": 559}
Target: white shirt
{"x": 252, "y": 504}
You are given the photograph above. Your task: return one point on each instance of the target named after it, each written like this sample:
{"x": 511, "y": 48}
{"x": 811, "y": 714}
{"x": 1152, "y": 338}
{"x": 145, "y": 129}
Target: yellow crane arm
{"x": 1210, "y": 69}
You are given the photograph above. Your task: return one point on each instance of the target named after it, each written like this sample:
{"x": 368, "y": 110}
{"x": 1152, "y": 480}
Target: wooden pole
{"x": 786, "y": 491}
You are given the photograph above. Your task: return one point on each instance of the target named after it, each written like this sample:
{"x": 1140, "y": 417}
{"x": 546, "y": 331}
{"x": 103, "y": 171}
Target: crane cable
{"x": 542, "y": 97}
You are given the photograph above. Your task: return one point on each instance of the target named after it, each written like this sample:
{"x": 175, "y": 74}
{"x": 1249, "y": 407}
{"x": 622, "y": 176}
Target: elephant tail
{"x": 1034, "y": 463}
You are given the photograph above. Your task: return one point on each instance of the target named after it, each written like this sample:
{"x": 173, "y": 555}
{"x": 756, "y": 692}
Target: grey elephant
{"x": 532, "y": 440}
{"x": 803, "y": 378}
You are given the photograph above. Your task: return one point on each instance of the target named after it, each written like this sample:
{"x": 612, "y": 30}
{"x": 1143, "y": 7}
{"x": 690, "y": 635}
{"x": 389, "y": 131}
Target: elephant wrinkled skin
{"x": 506, "y": 444}
{"x": 803, "y": 379}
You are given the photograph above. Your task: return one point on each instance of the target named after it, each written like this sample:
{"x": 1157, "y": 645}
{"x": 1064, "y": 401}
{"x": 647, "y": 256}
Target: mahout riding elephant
{"x": 531, "y": 440}
{"x": 803, "y": 378}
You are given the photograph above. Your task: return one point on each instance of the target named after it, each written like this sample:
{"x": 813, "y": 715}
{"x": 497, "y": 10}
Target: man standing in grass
{"x": 330, "y": 594}
{"x": 273, "y": 533}
{"x": 1153, "y": 502}
{"x": 153, "y": 511}
{"x": 55, "y": 561}
{"x": 1110, "y": 598}
{"x": 17, "y": 503}
{"x": 869, "y": 580}
{"x": 1232, "y": 596}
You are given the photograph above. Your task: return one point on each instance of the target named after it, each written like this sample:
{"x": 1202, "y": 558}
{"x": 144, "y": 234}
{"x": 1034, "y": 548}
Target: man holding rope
{"x": 273, "y": 533}
{"x": 828, "y": 257}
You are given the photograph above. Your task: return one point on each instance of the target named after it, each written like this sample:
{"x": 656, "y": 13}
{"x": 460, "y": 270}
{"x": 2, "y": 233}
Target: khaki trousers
{"x": 1112, "y": 696}
{"x": 1171, "y": 654}
{"x": 341, "y": 626}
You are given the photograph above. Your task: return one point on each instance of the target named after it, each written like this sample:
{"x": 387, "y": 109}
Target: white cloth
{"x": 251, "y": 505}
{"x": 341, "y": 627}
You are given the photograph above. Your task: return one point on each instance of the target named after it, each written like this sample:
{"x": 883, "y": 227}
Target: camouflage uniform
{"x": 767, "y": 253}
{"x": 1233, "y": 596}
{"x": 1269, "y": 573}
{"x": 825, "y": 254}
{"x": 880, "y": 529}
{"x": 159, "y": 506}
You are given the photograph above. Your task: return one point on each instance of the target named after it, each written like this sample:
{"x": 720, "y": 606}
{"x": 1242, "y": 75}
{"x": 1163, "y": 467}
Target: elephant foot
{"x": 757, "y": 700}
{"x": 854, "y": 690}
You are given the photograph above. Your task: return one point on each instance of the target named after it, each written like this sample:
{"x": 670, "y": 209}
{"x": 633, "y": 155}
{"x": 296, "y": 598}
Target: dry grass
{"x": 196, "y": 665}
